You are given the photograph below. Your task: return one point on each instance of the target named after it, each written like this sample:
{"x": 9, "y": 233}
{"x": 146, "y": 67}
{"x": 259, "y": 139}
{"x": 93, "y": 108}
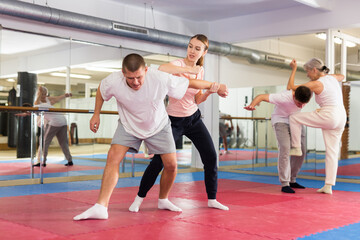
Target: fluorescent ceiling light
{"x": 336, "y": 40}
{"x": 10, "y": 80}
{"x": 56, "y": 74}
{"x": 311, "y": 3}
{"x": 49, "y": 70}
{"x": 9, "y": 76}
{"x": 322, "y": 36}
{"x": 102, "y": 69}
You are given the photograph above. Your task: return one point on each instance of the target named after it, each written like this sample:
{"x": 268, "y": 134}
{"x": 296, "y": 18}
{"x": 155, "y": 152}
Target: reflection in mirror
{"x": 269, "y": 76}
{"x": 76, "y": 67}
{"x": 24, "y": 66}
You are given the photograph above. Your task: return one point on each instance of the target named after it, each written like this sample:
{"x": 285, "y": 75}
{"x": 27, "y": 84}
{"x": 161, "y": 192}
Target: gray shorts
{"x": 160, "y": 143}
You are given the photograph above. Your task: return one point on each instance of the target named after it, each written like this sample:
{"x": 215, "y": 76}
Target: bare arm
{"x": 37, "y": 101}
{"x": 54, "y": 100}
{"x": 338, "y": 77}
{"x": 173, "y": 69}
{"x": 291, "y": 85}
{"x": 201, "y": 97}
{"x": 256, "y": 101}
{"x": 315, "y": 86}
{"x": 95, "y": 119}
{"x": 202, "y": 84}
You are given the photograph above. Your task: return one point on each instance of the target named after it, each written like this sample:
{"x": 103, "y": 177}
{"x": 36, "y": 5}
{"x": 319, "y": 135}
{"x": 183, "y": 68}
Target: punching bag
{"x": 12, "y": 122}
{"x": 27, "y": 82}
{"x": 3, "y": 122}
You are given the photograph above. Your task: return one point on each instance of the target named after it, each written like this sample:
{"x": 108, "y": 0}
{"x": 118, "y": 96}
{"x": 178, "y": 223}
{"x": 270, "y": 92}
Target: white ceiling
{"x": 210, "y": 10}
{"x": 228, "y": 11}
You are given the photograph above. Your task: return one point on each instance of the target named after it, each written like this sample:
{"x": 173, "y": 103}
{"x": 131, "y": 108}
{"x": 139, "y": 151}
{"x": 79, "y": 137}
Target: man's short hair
{"x": 133, "y": 62}
{"x": 303, "y": 94}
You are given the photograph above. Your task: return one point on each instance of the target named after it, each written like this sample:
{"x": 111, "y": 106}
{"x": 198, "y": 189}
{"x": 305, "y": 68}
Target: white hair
{"x": 316, "y": 63}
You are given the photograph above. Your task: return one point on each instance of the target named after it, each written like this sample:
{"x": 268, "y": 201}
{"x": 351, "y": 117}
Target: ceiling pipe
{"x": 59, "y": 17}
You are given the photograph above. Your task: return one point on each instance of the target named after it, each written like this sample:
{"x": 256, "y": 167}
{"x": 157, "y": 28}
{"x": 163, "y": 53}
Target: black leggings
{"x": 193, "y": 128}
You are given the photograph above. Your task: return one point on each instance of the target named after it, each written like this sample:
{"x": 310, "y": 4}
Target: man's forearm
{"x": 199, "y": 84}
{"x": 98, "y": 101}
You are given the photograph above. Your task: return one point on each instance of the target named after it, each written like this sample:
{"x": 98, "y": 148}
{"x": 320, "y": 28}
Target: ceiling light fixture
{"x": 10, "y": 80}
{"x": 336, "y": 40}
{"x": 9, "y": 76}
{"x": 49, "y": 70}
{"x": 57, "y": 74}
{"x": 311, "y": 3}
{"x": 102, "y": 69}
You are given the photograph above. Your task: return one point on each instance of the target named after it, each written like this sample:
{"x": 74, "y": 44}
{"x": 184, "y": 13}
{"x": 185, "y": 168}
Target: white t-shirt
{"x": 284, "y": 106}
{"x": 52, "y": 118}
{"x": 142, "y": 112}
{"x": 331, "y": 94}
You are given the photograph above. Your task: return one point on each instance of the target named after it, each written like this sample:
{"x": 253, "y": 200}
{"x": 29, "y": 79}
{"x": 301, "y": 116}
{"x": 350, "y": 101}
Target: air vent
{"x": 122, "y": 27}
{"x": 275, "y": 59}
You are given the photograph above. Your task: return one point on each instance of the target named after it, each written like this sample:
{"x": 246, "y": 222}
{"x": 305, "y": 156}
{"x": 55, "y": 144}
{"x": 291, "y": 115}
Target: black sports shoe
{"x": 69, "y": 164}
{"x": 287, "y": 189}
{"x": 296, "y": 185}
{"x": 38, "y": 165}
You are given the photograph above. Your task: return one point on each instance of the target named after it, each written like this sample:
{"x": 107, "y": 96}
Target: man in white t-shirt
{"x": 140, "y": 93}
{"x": 286, "y": 103}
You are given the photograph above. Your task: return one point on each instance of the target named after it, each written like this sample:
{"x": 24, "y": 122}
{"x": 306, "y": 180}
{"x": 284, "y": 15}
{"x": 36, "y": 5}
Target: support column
{"x": 329, "y": 50}
{"x": 67, "y": 86}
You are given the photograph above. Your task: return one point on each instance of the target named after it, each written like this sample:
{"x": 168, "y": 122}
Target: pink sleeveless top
{"x": 186, "y": 106}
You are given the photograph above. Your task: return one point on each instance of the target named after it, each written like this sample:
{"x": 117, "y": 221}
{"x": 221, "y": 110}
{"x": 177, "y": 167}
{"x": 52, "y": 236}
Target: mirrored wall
{"x": 65, "y": 65}
{"x": 251, "y": 140}
{"x": 62, "y": 66}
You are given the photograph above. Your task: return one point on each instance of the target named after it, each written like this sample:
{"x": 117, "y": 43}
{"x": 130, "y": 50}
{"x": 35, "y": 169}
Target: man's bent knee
{"x": 116, "y": 154}
{"x": 169, "y": 161}
{"x": 170, "y": 167}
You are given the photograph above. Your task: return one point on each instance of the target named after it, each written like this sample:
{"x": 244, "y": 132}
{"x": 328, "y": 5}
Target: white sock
{"x": 97, "y": 211}
{"x": 327, "y": 188}
{"x": 166, "y": 204}
{"x": 136, "y": 204}
{"x": 212, "y": 203}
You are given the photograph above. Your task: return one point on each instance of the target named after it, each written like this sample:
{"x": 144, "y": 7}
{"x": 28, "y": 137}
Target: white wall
{"x": 354, "y": 124}
{"x": 108, "y": 123}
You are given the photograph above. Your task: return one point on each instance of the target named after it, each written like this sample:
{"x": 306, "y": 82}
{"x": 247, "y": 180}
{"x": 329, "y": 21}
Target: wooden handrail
{"x": 39, "y": 109}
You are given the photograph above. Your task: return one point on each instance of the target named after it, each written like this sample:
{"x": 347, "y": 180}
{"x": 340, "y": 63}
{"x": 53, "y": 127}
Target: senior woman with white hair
{"x": 331, "y": 117}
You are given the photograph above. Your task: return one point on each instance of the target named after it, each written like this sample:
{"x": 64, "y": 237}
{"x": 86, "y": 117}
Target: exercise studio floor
{"x": 258, "y": 209}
